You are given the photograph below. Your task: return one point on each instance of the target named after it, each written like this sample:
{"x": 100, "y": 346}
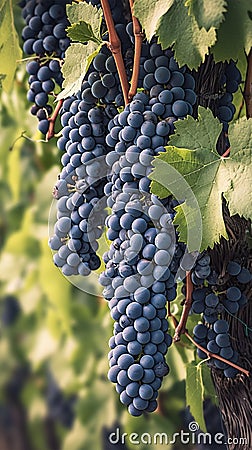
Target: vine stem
{"x": 137, "y": 54}
{"x": 52, "y": 120}
{"x": 115, "y": 47}
{"x": 209, "y": 354}
{"x": 181, "y": 327}
{"x": 248, "y": 86}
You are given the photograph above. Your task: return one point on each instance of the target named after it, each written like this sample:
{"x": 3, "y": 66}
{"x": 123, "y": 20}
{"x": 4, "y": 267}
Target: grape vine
{"x": 151, "y": 109}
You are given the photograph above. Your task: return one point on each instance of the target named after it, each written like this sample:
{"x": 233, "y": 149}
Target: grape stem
{"x": 137, "y": 54}
{"x": 226, "y": 153}
{"x": 115, "y": 48}
{"x": 181, "y": 327}
{"x": 23, "y": 135}
{"x": 50, "y": 134}
{"x": 248, "y": 86}
{"x": 169, "y": 310}
{"x": 209, "y": 354}
{"x": 241, "y": 107}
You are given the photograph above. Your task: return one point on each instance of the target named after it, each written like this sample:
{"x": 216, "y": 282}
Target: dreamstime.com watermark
{"x": 192, "y": 436}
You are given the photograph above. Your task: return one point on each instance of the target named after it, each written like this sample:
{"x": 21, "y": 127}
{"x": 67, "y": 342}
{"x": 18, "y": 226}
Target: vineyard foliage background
{"x": 61, "y": 329}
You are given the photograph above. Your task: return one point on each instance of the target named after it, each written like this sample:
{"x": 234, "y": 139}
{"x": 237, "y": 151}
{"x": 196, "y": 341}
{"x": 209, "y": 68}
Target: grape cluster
{"x": 210, "y": 300}
{"x": 202, "y": 271}
{"x": 80, "y": 189}
{"x": 10, "y": 310}
{"x": 230, "y": 84}
{"x": 42, "y": 79}
{"x": 60, "y": 408}
{"x": 116, "y": 7}
{"x": 171, "y": 88}
{"x": 159, "y": 71}
{"x": 144, "y": 255}
{"x": 44, "y": 36}
{"x": 16, "y": 381}
{"x": 75, "y": 241}
{"x": 44, "y": 32}
{"x": 136, "y": 288}
{"x": 103, "y": 81}
{"x": 216, "y": 339}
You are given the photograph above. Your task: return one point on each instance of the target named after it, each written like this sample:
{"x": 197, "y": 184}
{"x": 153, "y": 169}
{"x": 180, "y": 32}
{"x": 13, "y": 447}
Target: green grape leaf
{"x": 193, "y": 171}
{"x": 149, "y": 13}
{"x": 82, "y": 32}
{"x": 84, "y": 12}
{"x": 85, "y": 26}
{"x": 208, "y": 13}
{"x": 10, "y": 51}
{"x": 77, "y": 61}
{"x": 240, "y": 168}
{"x": 195, "y": 393}
{"x": 192, "y": 44}
{"x": 235, "y": 33}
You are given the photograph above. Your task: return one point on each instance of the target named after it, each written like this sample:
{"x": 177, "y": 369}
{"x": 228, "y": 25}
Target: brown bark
{"x": 248, "y": 86}
{"x": 209, "y": 89}
{"x": 14, "y": 434}
{"x": 181, "y": 327}
{"x": 235, "y": 395}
